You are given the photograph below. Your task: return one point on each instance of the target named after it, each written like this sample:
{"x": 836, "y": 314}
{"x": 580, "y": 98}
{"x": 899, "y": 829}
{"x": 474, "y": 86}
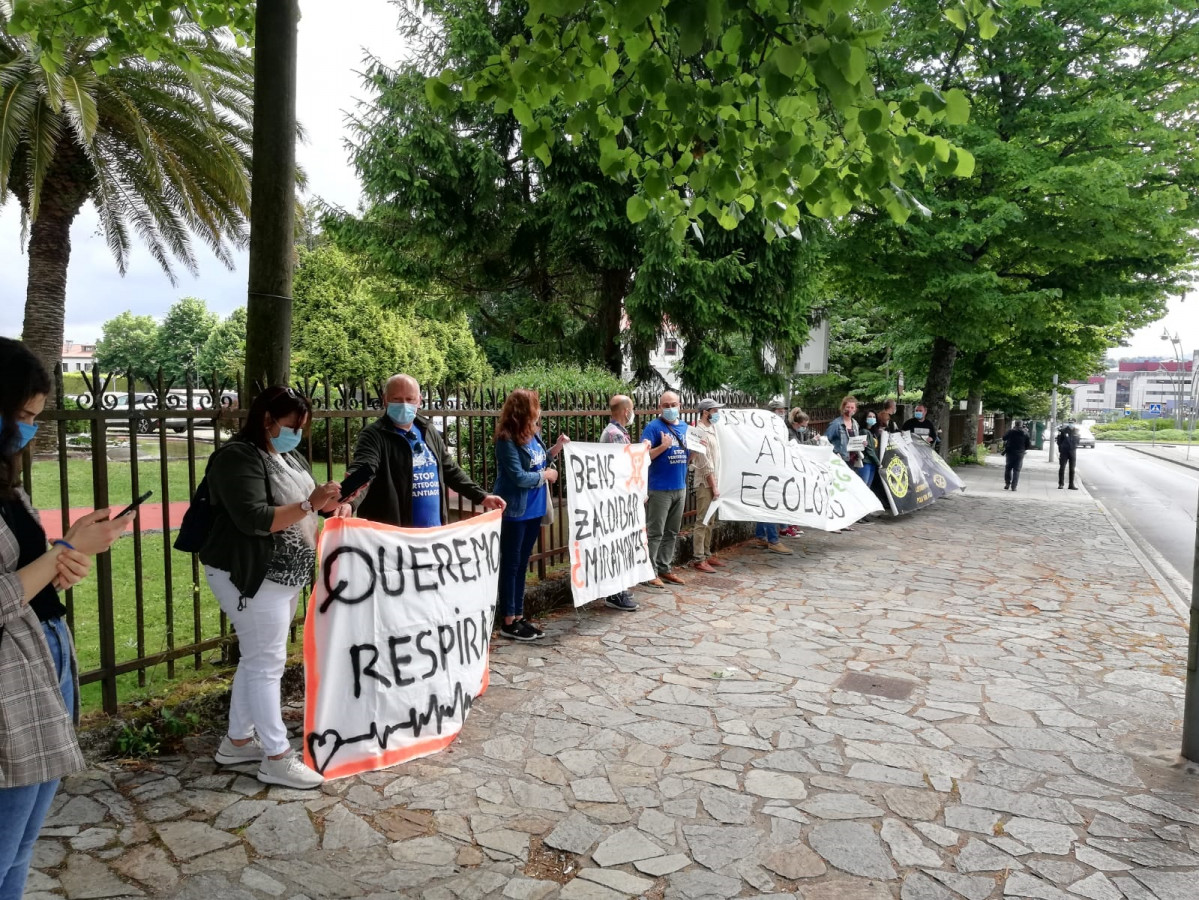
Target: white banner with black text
{"x": 396, "y": 640}
{"x": 765, "y": 477}
{"x": 605, "y": 501}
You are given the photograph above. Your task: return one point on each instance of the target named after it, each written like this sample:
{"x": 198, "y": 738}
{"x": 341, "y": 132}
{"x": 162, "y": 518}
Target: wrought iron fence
{"x": 147, "y": 609}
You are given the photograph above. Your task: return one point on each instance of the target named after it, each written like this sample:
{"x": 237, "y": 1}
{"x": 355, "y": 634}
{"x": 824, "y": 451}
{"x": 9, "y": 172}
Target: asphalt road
{"x": 1155, "y": 501}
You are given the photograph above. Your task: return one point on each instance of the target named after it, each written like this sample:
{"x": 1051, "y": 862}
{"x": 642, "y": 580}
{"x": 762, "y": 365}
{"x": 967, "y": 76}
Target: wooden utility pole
{"x": 273, "y": 198}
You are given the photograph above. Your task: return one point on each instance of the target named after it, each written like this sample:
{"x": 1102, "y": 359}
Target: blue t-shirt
{"x": 669, "y": 471}
{"x": 426, "y": 482}
{"x": 536, "y": 506}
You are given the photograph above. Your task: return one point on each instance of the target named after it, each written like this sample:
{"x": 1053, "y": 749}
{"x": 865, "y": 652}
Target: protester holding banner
{"x": 845, "y": 435}
{"x": 797, "y": 427}
{"x": 260, "y": 551}
{"x": 412, "y": 468}
{"x": 920, "y": 426}
{"x": 886, "y": 417}
{"x": 667, "y": 437}
{"x": 706, "y": 470}
{"x": 620, "y": 417}
{"x": 870, "y": 454}
{"x": 522, "y": 481}
{"x": 620, "y": 410}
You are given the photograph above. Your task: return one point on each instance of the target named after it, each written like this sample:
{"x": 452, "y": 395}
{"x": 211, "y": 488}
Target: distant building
{"x": 1137, "y": 385}
{"x": 662, "y": 358}
{"x": 77, "y": 357}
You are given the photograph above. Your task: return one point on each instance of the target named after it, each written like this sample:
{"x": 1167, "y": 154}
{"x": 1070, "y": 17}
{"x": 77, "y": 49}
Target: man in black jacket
{"x": 920, "y": 427}
{"x": 1067, "y": 448}
{"x": 412, "y": 468}
{"x": 1015, "y": 444}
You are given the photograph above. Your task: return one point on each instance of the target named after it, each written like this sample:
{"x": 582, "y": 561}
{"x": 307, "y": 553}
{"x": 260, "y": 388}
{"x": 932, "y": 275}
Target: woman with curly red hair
{"x": 522, "y": 479}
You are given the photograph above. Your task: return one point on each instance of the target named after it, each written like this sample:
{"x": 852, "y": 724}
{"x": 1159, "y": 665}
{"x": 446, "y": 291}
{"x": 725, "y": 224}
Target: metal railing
{"x": 110, "y": 447}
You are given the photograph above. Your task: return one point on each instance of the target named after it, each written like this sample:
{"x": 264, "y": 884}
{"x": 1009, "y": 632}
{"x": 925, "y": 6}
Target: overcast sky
{"x": 333, "y": 43}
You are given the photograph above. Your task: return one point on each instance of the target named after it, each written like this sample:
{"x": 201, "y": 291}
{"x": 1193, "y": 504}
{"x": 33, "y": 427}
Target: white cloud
{"x": 332, "y": 44}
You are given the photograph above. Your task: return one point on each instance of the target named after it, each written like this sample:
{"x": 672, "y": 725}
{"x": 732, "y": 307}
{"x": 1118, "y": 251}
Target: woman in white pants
{"x": 259, "y": 553}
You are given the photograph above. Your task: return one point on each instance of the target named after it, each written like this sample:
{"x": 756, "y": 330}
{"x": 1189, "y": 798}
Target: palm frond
{"x": 163, "y": 151}
{"x": 17, "y": 104}
{"x": 45, "y": 131}
{"x": 79, "y": 105}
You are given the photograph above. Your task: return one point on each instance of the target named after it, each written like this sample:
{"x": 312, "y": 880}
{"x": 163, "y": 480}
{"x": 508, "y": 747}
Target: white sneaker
{"x": 289, "y": 771}
{"x": 229, "y": 754}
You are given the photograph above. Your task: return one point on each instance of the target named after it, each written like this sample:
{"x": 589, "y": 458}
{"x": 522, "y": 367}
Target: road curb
{"x": 1180, "y": 602}
{"x": 1177, "y": 462}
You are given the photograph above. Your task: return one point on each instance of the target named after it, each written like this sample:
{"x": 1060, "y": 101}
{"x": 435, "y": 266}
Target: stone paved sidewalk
{"x": 963, "y": 703}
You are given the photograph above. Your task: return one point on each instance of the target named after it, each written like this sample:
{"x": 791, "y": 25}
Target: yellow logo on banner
{"x": 939, "y": 480}
{"x": 897, "y": 477}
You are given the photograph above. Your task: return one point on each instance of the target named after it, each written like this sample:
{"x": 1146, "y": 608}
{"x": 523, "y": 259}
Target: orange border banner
{"x": 388, "y": 611}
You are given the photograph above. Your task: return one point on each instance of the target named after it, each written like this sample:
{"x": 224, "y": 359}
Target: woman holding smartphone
{"x": 39, "y": 683}
{"x": 260, "y": 551}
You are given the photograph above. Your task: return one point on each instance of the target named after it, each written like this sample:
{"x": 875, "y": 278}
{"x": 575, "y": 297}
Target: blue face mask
{"x": 670, "y": 414}
{"x": 401, "y": 413}
{"x": 919, "y": 414}
{"x": 287, "y": 440}
{"x": 870, "y": 420}
{"x": 25, "y": 433}
{"x": 715, "y": 419}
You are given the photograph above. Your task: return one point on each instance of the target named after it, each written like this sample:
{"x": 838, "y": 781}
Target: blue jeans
{"x": 768, "y": 532}
{"x": 22, "y": 809}
{"x": 517, "y": 538}
{"x": 867, "y": 472}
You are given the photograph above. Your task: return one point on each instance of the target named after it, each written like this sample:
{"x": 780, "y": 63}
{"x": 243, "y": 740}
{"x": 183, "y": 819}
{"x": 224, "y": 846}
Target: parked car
{"x": 146, "y": 402}
{"x": 1085, "y": 437}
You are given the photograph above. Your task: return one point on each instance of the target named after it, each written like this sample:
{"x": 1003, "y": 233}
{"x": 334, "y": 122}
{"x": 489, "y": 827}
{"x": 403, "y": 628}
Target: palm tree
{"x": 161, "y": 149}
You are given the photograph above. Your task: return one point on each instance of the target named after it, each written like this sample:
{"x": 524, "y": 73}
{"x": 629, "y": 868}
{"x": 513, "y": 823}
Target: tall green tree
{"x": 740, "y": 105}
{"x": 129, "y": 345}
{"x": 1080, "y": 218}
{"x": 185, "y": 330}
{"x": 223, "y": 354}
{"x": 351, "y": 326}
{"x": 127, "y": 29}
{"x": 540, "y": 250}
{"x": 160, "y": 148}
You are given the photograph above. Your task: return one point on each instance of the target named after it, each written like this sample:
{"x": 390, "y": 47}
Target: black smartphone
{"x": 354, "y": 481}
{"x": 132, "y": 507}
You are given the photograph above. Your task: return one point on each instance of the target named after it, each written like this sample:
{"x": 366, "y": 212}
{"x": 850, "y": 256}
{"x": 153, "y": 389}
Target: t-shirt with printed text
{"x": 537, "y": 460}
{"x": 426, "y": 480}
{"x": 669, "y": 471}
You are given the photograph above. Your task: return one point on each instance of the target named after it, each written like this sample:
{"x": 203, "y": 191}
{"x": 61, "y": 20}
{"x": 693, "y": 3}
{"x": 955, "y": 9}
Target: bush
{"x": 1140, "y": 434}
{"x": 79, "y": 426}
{"x": 545, "y": 379}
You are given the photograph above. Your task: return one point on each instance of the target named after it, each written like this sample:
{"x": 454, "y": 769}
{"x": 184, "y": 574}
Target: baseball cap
{"x": 708, "y": 403}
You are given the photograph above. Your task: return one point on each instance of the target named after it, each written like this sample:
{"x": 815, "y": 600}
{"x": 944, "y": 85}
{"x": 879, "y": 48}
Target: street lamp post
{"x": 1176, "y": 346}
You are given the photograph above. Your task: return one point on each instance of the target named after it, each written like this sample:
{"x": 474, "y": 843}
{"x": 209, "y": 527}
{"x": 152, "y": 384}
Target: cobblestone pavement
{"x": 963, "y": 703}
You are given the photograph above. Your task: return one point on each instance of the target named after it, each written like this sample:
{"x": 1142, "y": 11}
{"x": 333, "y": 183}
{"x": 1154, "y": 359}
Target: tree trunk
{"x": 936, "y": 387}
{"x": 614, "y": 287}
{"x": 974, "y": 411}
{"x": 46, "y": 284}
{"x": 273, "y": 201}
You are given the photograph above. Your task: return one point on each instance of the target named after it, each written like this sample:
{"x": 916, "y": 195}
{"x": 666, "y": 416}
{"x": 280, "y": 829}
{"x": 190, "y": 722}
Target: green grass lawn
{"x": 184, "y": 597}
{"x": 47, "y": 483}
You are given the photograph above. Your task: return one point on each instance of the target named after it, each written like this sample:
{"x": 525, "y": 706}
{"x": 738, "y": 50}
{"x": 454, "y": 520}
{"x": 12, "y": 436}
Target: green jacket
{"x": 388, "y": 499}
{"x": 240, "y": 540}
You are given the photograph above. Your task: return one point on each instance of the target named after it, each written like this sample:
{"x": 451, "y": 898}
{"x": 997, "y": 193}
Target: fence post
{"x": 105, "y": 620}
